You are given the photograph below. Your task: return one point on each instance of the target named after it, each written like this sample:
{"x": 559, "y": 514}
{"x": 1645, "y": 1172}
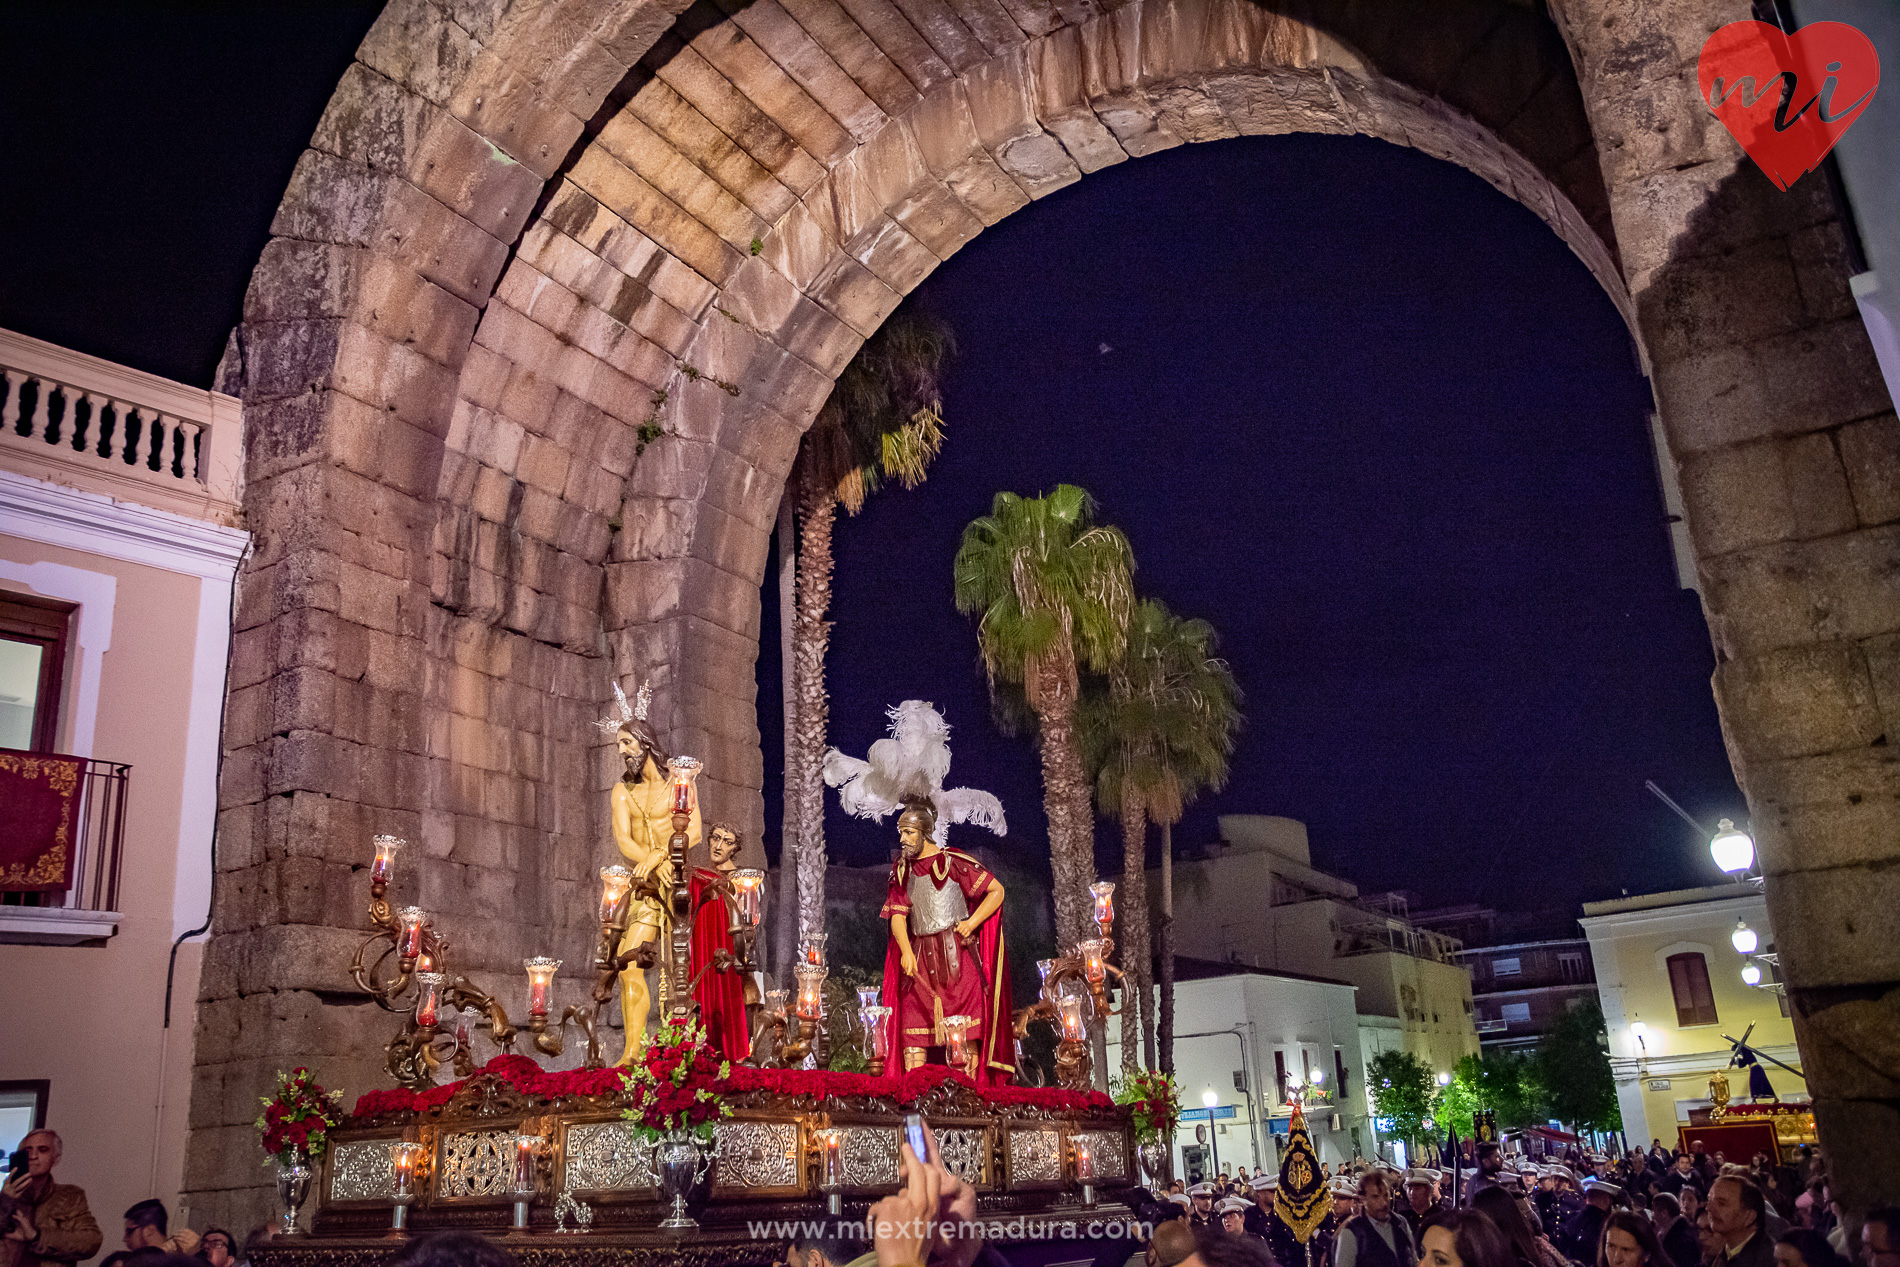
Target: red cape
{"x": 720, "y": 995}
{"x": 998, "y": 1065}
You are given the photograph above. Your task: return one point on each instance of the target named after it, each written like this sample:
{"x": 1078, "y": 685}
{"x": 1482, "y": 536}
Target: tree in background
{"x": 1573, "y": 1068}
{"x": 1160, "y": 732}
{"x": 1505, "y": 1082}
{"x": 1458, "y": 1100}
{"x": 1053, "y": 592}
{"x": 1402, "y": 1091}
{"x": 883, "y": 420}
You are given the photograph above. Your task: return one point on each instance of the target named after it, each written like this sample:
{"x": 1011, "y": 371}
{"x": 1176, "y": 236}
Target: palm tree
{"x": 1160, "y": 732}
{"x": 883, "y": 420}
{"x": 1053, "y": 592}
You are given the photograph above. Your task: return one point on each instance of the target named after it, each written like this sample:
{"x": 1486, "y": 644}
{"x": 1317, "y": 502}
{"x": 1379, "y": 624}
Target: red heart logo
{"x": 1788, "y": 98}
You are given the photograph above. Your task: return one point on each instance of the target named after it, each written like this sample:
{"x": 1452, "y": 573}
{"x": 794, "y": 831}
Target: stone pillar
{"x": 1789, "y": 457}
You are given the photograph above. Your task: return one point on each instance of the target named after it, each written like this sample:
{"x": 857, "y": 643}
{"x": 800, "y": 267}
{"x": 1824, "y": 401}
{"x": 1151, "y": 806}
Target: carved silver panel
{"x": 476, "y": 1164}
{"x": 1106, "y": 1150}
{"x": 604, "y": 1156}
{"x": 964, "y": 1149}
{"x": 757, "y": 1154}
{"x": 1035, "y": 1156}
{"x": 870, "y": 1157}
{"x": 362, "y": 1171}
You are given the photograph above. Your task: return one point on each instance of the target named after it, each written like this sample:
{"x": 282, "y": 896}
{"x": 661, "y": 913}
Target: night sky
{"x": 1362, "y": 412}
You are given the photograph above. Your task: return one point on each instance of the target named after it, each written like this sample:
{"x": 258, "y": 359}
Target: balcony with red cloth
{"x": 60, "y": 847}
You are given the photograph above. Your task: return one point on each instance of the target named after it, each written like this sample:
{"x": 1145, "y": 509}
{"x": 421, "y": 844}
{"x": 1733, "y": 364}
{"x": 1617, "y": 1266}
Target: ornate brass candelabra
{"x": 1060, "y": 1002}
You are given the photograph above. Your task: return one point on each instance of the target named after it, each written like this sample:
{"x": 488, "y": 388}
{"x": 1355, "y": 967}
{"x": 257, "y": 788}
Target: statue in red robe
{"x": 722, "y": 990}
{"x": 946, "y": 955}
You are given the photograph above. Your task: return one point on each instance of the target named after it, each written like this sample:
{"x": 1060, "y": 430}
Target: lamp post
{"x": 1732, "y": 849}
{"x": 1210, "y": 1099}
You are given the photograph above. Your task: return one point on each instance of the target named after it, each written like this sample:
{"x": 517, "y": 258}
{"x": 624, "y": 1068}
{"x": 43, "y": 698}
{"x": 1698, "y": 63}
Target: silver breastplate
{"x": 933, "y": 909}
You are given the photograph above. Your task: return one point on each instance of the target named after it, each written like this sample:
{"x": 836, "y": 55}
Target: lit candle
{"x": 956, "y": 1032}
{"x": 425, "y": 964}
{"x": 524, "y": 1164}
{"x": 411, "y": 918}
{"x": 1084, "y": 1164}
{"x": 746, "y": 882}
{"x": 1069, "y": 1008}
{"x": 811, "y": 983}
{"x": 385, "y": 859}
{"x": 685, "y": 772}
{"x": 405, "y": 1156}
{"x": 830, "y": 1157}
{"x": 1104, "y": 891}
{"x": 428, "y": 997}
{"x": 815, "y": 948}
{"x": 1093, "y": 965}
{"x": 541, "y": 972}
{"x": 615, "y": 883}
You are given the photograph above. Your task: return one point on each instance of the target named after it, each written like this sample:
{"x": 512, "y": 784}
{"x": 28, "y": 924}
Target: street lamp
{"x": 1444, "y": 1079}
{"x": 1732, "y": 848}
{"x": 1743, "y": 938}
{"x": 1751, "y": 973}
{"x": 1210, "y": 1097}
{"x": 1640, "y": 1032}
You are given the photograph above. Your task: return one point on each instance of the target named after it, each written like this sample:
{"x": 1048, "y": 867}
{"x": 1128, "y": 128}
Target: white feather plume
{"x": 913, "y": 761}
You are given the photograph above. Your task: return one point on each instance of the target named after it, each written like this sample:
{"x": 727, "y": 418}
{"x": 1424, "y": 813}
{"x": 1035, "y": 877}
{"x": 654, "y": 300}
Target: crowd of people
{"x": 50, "y": 1224}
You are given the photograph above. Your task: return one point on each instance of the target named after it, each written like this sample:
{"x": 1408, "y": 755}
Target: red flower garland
{"x": 818, "y": 1084}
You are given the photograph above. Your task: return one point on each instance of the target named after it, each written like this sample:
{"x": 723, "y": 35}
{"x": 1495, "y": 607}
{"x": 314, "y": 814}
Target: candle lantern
{"x": 956, "y": 1034}
{"x": 384, "y": 862}
{"x": 1093, "y": 952}
{"x": 541, "y": 972}
{"x": 429, "y": 997}
{"x": 1104, "y": 893}
{"x": 776, "y": 1003}
{"x": 615, "y": 883}
{"x": 747, "y": 883}
{"x": 868, "y": 996}
{"x": 424, "y": 963}
{"x": 1085, "y": 1171}
{"x": 814, "y": 951}
{"x": 1069, "y": 1010}
{"x": 405, "y": 1158}
{"x": 410, "y": 944}
{"x": 465, "y": 1030}
{"x": 684, "y": 772}
{"x": 523, "y": 1186}
{"x": 811, "y": 988}
{"x": 831, "y": 1168}
{"x": 877, "y": 1036}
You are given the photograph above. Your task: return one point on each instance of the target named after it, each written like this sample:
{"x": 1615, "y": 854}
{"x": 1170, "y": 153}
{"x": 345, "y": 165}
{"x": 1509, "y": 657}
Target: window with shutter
{"x": 1689, "y": 982}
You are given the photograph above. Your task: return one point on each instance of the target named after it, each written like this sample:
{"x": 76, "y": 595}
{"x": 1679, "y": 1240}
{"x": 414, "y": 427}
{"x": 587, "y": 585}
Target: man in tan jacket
{"x": 51, "y": 1226}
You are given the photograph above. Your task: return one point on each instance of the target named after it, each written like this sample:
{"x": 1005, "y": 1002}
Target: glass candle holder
{"x": 1093, "y": 952}
{"x": 541, "y": 972}
{"x": 956, "y": 1035}
{"x": 1044, "y": 967}
{"x": 429, "y": 997}
{"x": 524, "y": 1165}
{"x": 811, "y": 988}
{"x": 383, "y": 865}
{"x": 777, "y": 1002}
{"x": 868, "y": 997}
{"x": 814, "y": 951}
{"x": 616, "y": 882}
{"x": 405, "y": 1157}
{"x": 1069, "y": 1012}
{"x": 1084, "y": 1162}
{"x": 684, "y": 771}
{"x": 748, "y": 884}
{"x": 409, "y": 944}
{"x": 830, "y": 1158}
{"x": 1104, "y": 894}
{"x": 877, "y": 1031}
{"x": 465, "y": 1030}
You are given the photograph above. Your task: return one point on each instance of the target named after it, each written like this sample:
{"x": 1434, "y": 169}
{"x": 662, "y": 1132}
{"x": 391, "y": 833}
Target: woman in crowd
{"x": 1506, "y": 1210}
{"x": 1629, "y": 1240}
{"x": 1464, "y": 1238}
{"x": 1804, "y": 1247}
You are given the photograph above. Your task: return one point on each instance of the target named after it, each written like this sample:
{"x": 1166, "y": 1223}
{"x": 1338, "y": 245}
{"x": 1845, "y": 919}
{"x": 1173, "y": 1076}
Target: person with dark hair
{"x": 216, "y": 1247}
{"x": 1490, "y": 1166}
{"x": 1682, "y": 1175}
{"x": 1629, "y": 1241}
{"x": 1804, "y": 1247}
{"x": 1503, "y": 1209}
{"x": 49, "y": 1224}
{"x": 827, "y": 1246}
{"x": 452, "y": 1249}
{"x": 1675, "y": 1233}
{"x": 1585, "y": 1228}
{"x": 1739, "y": 1216}
{"x": 1465, "y": 1238}
{"x": 145, "y": 1229}
{"x": 1375, "y": 1237}
{"x": 1219, "y": 1250}
{"x": 1880, "y": 1236}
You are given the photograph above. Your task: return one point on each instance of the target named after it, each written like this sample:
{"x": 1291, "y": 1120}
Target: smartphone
{"x": 914, "y": 1135}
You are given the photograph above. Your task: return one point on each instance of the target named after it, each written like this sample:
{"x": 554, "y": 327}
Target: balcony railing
{"x": 90, "y": 908}
{"x": 78, "y": 420}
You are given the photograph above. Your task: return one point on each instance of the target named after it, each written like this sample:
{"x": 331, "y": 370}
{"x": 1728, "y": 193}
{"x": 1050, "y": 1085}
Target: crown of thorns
{"x": 622, "y": 712}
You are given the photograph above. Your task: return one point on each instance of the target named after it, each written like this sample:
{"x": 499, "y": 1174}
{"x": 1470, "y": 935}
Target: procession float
{"x": 715, "y": 1120}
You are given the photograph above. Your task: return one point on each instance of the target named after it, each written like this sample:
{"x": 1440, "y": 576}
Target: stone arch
{"x": 521, "y": 222}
